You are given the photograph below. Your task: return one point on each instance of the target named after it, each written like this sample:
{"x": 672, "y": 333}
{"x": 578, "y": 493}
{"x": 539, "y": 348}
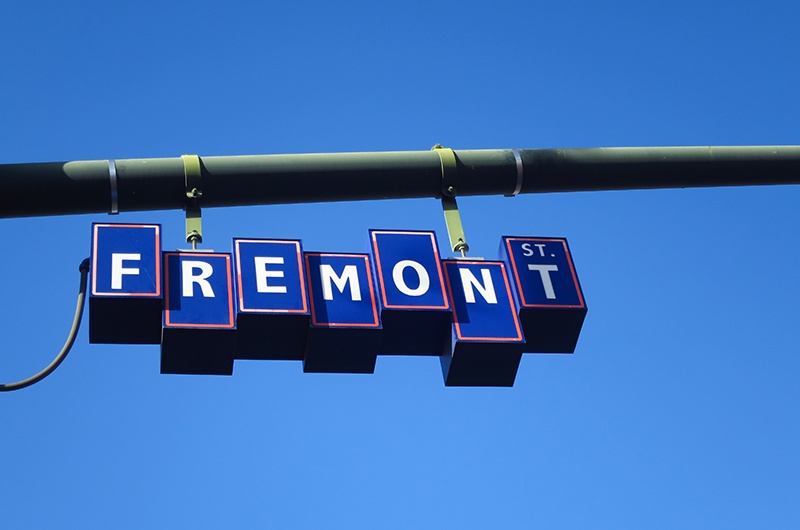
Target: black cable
{"x": 76, "y": 324}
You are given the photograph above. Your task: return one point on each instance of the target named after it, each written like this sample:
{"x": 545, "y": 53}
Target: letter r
{"x": 189, "y": 278}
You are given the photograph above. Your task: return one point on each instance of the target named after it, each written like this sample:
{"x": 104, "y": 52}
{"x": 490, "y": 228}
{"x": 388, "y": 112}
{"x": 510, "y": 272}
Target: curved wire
{"x": 76, "y": 324}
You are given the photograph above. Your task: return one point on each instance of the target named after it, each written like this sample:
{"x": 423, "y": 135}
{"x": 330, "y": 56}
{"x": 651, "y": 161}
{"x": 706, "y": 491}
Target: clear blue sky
{"x": 681, "y": 405}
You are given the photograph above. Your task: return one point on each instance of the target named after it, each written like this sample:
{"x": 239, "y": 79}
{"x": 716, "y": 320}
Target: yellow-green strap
{"x": 194, "y": 222}
{"x": 452, "y": 218}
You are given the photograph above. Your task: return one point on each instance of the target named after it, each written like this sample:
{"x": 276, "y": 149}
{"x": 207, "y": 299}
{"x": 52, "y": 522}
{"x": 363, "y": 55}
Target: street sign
{"x": 345, "y": 327}
{"x": 547, "y": 293}
{"x": 198, "y": 335}
{"x": 272, "y": 300}
{"x": 487, "y": 339}
{"x": 125, "y": 300}
{"x": 336, "y": 312}
{"x": 414, "y": 307}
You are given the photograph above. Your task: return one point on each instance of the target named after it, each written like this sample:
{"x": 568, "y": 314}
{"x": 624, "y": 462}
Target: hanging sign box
{"x": 547, "y": 293}
{"x": 334, "y": 311}
{"x": 487, "y": 339}
{"x": 198, "y": 335}
{"x": 414, "y": 307}
{"x": 125, "y": 300}
{"x": 273, "y": 313}
{"x": 345, "y": 327}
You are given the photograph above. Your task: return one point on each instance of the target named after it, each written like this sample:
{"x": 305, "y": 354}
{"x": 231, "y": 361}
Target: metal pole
{"x": 159, "y": 183}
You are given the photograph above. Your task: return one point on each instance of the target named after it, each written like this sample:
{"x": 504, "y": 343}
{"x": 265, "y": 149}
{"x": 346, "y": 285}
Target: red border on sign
{"x": 438, "y": 270}
{"x": 376, "y": 322}
{"x": 157, "y": 255}
{"x": 300, "y": 274}
{"x": 167, "y": 312}
{"x": 457, "y": 324}
{"x": 571, "y": 268}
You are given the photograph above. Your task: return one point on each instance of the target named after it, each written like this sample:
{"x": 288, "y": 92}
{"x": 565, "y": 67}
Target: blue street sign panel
{"x": 199, "y": 292}
{"x": 272, "y": 299}
{"x": 345, "y": 327}
{"x": 415, "y": 309}
{"x": 547, "y": 292}
{"x": 269, "y": 276}
{"x": 125, "y": 297}
{"x": 483, "y": 309}
{"x": 487, "y": 337}
{"x": 341, "y": 291}
{"x": 126, "y": 260}
{"x": 198, "y": 333}
{"x": 409, "y": 270}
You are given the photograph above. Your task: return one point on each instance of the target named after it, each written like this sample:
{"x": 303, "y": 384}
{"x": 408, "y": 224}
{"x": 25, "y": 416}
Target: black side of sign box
{"x": 197, "y": 351}
{"x": 481, "y": 364}
{"x": 551, "y": 330}
{"x": 125, "y": 320}
{"x": 271, "y": 337}
{"x": 346, "y": 351}
{"x": 414, "y": 332}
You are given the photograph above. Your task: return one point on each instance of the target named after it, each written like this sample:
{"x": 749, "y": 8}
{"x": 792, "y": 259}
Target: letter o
{"x": 424, "y": 279}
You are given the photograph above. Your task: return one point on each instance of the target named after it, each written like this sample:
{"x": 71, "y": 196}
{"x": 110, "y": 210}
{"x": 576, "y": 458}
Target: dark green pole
{"x": 160, "y": 183}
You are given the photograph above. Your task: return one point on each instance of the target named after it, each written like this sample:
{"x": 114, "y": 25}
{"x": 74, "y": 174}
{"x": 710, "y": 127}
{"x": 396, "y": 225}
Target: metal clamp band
{"x": 112, "y": 176}
{"x": 447, "y": 158}
{"x": 518, "y": 160}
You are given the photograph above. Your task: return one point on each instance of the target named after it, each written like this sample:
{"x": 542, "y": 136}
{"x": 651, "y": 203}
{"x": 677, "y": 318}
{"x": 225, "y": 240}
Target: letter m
{"x": 349, "y": 274}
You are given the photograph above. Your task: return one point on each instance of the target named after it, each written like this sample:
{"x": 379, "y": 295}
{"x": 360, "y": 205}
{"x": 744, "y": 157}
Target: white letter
{"x": 487, "y": 289}
{"x": 350, "y": 273}
{"x": 540, "y": 246}
{"x": 262, "y": 274}
{"x": 117, "y": 270}
{"x": 187, "y": 270}
{"x": 544, "y": 272}
{"x": 424, "y": 279}
{"x": 527, "y": 250}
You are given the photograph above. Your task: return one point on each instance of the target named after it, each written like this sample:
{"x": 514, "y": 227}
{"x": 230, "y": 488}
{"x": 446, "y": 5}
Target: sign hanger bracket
{"x": 193, "y": 179}
{"x": 452, "y": 217}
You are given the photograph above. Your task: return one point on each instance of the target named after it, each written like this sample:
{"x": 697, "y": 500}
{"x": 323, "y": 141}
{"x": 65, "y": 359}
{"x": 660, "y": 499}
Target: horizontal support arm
{"x": 62, "y": 188}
